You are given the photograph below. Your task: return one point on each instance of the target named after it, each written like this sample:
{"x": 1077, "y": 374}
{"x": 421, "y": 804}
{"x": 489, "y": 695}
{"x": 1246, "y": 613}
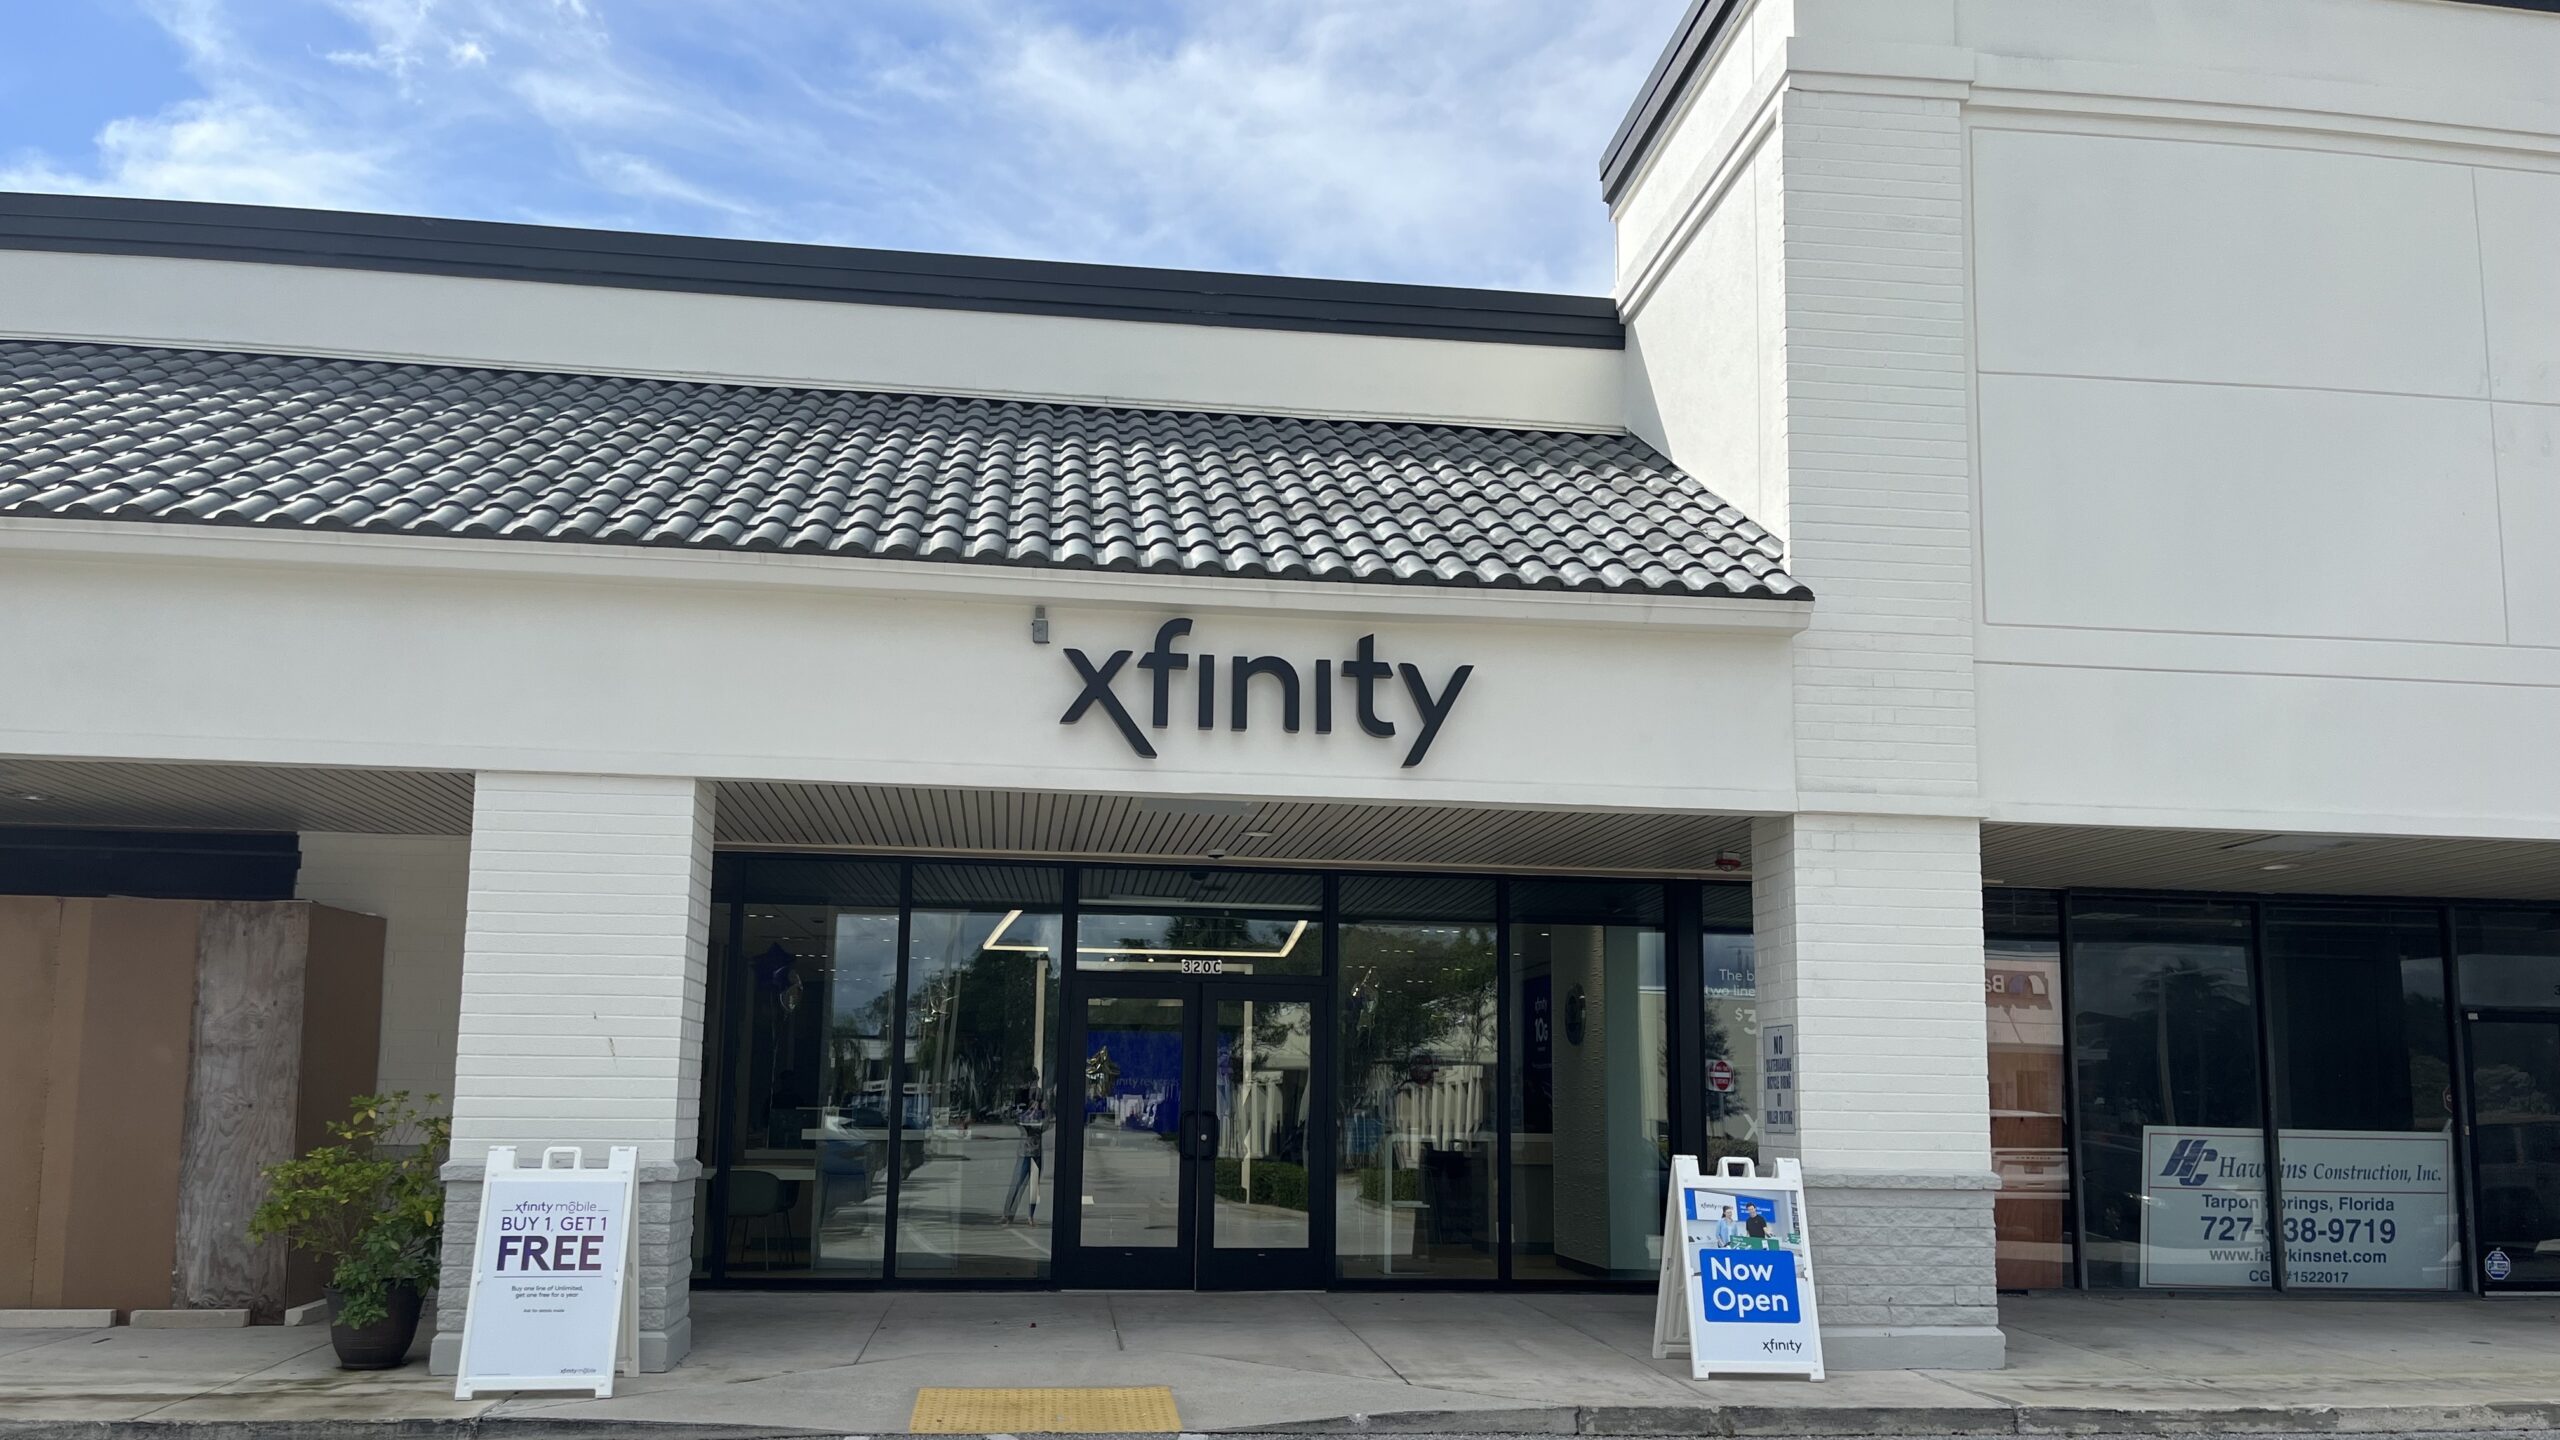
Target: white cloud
{"x": 639, "y": 177}
{"x": 1396, "y": 139}
{"x": 1408, "y": 141}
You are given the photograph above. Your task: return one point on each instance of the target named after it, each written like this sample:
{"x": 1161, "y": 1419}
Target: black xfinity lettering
{"x": 1363, "y": 672}
{"x": 1097, "y": 689}
{"x": 1432, "y": 711}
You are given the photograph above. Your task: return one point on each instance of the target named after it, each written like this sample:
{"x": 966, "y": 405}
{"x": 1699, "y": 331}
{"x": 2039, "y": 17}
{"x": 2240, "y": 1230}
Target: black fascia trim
{"x": 105, "y": 225}
{"x": 1672, "y": 71}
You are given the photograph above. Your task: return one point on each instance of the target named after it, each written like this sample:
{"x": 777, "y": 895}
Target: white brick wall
{"x": 1869, "y": 938}
{"x": 418, "y": 885}
{"x": 583, "y": 960}
{"x": 1877, "y": 425}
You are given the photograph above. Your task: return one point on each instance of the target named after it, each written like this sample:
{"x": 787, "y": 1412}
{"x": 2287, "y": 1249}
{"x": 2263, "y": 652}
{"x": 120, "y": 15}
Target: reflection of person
{"x": 1034, "y": 1121}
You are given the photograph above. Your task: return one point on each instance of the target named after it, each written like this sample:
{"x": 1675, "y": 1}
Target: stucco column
{"x": 1869, "y": 937}
{"x": 583, "y": 960}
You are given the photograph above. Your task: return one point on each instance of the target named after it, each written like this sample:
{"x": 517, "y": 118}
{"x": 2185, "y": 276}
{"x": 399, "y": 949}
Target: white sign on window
{"x": 555, "y": 1303}
{"x": 1736, "y": 1288}
{"x": 1778, "y": 1079}
{"x": 2363, "y": 1209}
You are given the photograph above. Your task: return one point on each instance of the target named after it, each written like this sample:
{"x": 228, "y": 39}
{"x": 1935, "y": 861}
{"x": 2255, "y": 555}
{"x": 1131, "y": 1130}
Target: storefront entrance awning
{"x": 102, "y": 432}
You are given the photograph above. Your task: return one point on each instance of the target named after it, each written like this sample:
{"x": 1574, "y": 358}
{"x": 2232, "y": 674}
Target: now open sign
{"x": 1738, "y": 1288}
{"x": 1750, "y": 1287}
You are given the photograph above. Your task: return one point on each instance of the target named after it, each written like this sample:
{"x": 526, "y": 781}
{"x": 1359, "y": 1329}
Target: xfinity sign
{"x": 1385, "y": 699}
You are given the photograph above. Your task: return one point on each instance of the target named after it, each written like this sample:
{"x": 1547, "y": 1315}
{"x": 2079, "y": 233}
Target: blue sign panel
{"x": 1749, "y": 1287}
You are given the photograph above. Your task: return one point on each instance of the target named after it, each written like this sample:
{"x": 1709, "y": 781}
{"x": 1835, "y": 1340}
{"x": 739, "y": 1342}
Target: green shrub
{"x": 1275, "y": 1182}
{"x": 1373, "y": 1185}
{"x": 370, "y": 1207}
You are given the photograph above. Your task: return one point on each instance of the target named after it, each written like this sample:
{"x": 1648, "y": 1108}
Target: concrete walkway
{"x": 851, "y": 1364}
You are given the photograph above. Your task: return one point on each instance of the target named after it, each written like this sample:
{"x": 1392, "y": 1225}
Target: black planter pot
{"x": 382, "y": 1345}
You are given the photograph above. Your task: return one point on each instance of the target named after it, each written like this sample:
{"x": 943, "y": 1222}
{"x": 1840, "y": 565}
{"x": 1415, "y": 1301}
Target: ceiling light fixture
{"x": 2278, "y": 867}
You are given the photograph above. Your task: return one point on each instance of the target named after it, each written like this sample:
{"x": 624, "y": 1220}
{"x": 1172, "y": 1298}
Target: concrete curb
{"x": 478, "y": 1427}
{"x": 2512, "y": 1417}
{"x": 1727, "y": 1422}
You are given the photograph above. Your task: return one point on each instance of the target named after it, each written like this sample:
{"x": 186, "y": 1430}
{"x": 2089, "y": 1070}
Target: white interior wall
{"x": 418, "y": 885}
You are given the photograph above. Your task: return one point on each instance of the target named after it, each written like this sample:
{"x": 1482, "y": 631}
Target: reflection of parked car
{"x": 2519, "y": 1168}
{"x": 847, "y": 1166}
{"x": 869, "y": 1119}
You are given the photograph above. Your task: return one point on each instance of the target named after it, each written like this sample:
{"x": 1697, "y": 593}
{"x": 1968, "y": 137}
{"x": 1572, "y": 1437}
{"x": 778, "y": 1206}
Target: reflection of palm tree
{"x": 2206, "y": 1000}
{"x": 2508, "y": 1090}
{"x": 2167, "y": 1035}
{"x": 1417, "y": 1000}
{"x": 976, "y": 1027}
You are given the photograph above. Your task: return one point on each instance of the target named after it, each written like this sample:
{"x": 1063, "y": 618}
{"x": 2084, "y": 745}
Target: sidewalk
{"x": 851, "y": 1364}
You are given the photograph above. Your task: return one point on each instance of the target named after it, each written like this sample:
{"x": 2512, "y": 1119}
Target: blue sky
{"x": 1440, "y": 141}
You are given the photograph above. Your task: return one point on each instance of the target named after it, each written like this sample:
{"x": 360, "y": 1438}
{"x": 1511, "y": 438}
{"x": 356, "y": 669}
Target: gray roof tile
{"x": 295, "y": 442}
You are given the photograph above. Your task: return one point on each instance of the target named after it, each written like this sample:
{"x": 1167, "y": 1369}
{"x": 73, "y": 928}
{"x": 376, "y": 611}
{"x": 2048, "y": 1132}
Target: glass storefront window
{"x": 1589, "y": 1108}
{"x": 1260, "y": 1091}
{"x": 805, "y": 1180}
{"x": 1132, "y": 1092}
{"x": 2363, "y": 1088}
{"x": 982, "y": 997}
{"x": 1415, "y": 1180}
{"x": 1201, "y": 922}
{"x": 2022, "y": 1014}
{"x": 2510, "y": 959}
{"x": 2509, "y": 967}
{"x": 1729, "y": 1030}
{"x": 715, "y": 1023}
{"x": 2165, "y": 1033}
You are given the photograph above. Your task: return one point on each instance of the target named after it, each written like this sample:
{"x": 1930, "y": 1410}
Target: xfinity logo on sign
{"x": 1372, "y": 683}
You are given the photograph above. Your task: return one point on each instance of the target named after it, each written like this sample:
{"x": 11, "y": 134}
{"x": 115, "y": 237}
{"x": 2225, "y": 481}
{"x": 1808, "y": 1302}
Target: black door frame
{"x": 2480, "y": 1242}
{"x": 1195, "y": 1261}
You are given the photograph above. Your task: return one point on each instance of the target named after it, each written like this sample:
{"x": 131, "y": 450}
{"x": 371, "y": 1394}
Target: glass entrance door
{"x": 1188, "y": 1157}
{"x": 2515, "y": 1147}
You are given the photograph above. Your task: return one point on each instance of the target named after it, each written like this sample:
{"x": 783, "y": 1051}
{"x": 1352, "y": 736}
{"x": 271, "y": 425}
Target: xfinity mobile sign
{"x": 1382, "y": 698}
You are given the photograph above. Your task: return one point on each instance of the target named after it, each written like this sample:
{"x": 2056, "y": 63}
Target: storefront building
{"x": 2010, "y": 661}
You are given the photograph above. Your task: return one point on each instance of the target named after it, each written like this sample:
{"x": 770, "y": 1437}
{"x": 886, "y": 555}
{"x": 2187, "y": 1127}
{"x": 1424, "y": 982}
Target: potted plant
{"x": 369, "y": 1207}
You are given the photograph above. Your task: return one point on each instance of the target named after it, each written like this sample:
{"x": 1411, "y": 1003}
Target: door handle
{"x": 1198, "y": 1137}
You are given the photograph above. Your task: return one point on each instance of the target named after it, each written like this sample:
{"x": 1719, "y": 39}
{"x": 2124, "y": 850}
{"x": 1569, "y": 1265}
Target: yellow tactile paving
{"x": 1093, "y": 1410}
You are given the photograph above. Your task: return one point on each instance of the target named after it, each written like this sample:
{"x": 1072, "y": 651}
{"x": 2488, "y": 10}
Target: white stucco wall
{"x": 2267, "y": 400}
{"x": 2260, "y": 349}
{"x": 735, "y": 668}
